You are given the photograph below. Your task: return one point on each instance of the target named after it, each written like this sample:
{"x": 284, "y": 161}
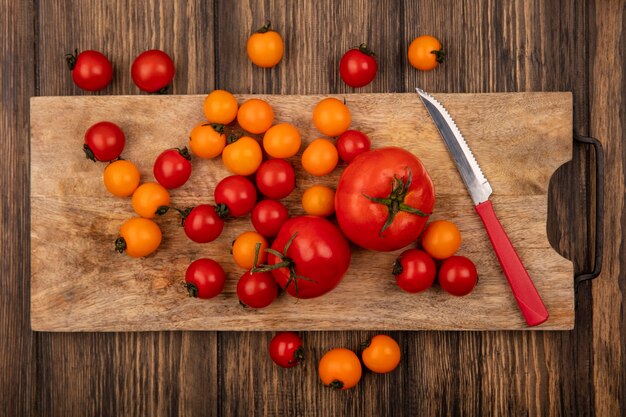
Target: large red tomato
{"x": 383, "y": 199}
{"x": 309, "y": 256}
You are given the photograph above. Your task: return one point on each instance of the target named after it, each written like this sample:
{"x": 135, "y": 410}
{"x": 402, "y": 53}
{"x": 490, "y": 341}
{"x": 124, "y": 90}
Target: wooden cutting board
{"x": 79, "y": 283}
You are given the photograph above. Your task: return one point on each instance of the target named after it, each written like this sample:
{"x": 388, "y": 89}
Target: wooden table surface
{"x": 491, "y": 46}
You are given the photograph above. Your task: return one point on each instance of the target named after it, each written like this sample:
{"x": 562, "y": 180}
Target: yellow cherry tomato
{"x": 331, "y": 117}
{"x": 382, "y": 355}
{"x": 255, "y": 116}
{"x": 138, "y": 237}
{"x": 207, "y": 140}
{"x": 220, "y": 107}
{"x": 320, "y": 157}
{"x": 148, "y": 197}
{"x": 441, "y": 239}
{"x": 340, "y": 369}
{"x": 265, "y": 47}
{"x": 425, "y": 53}
{"x": 243, "y": 157}
{"x": 319, "y": 200}
{"x": 244, "y": 249}
{"x": 282, "y": 141}
{"x": 121, "y": 178}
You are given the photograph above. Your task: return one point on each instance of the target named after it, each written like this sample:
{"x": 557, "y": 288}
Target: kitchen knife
{"x": 524, "y": 290}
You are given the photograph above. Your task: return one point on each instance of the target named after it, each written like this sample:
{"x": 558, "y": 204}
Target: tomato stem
{"x": 397, "y": 268}
{"x": 219, "y": 128}
{"x": 265, "y": 28}
{"x": 395, "y": 200}
{"x": 71, "y": 59}
{"x": 191, "y": 289}
{"x": 161, "y": 210}
{"x": 184, "y": 152}
{"x": 162, "y": 90}
{"x": 439, "y": 54}
{"x": 366, "y": 344}
{"x": 336, "y": 384}
{"x": 89, "y": 153}
{"x": 363, "y": 48}
{"x": 298, "y": 356}
{"x": 120, "y": 244}
{"x": 222, "y": 210}
{"x": 233, "y": 137}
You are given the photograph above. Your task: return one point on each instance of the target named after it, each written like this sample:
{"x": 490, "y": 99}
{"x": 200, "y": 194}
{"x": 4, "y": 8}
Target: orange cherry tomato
{"x": 282, "y": 141}
{"x": 441, "y": 239}
{"x": 121, "y": 178}
{"x": 340, "y": 369}
{"x": 382, "y": 355}
{"x": 207, "y": 140}
{"x": 426, "y": 53}
{"x": 220, "y": 107}
{"x": 243, "y": 157}
{"x": 148, "y": 197}
{"x": 138, "y": 237}
{"x": 265, "y": 47}
{"x": 255, "y": 116}
{"x": 320, "y": 157}
{"x": 331, "y": 117}
{"x": 319, "y": 200}
{"x": 244, "y": 249}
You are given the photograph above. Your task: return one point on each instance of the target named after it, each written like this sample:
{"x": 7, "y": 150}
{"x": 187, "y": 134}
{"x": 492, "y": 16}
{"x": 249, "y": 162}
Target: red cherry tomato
{"x": 458, "y": 276}
{"x": 275, "y": 179}
{"x": 104, "y": 141}
{"x": 204, "y": 278}
{"x": 314, "y": 256}
{"x": 172, "y": 168}
{"x": 415, "y": 270}
{"x": 351, "y": 144}
{"x": 268, "y": 216}
{"x": 152, "y": 70}
{"x": 237, "y": 194}
{"x": 358, "y": 66}
{"x": 256, "y": 290}
{"x": 286, "y": 349}
{"x": 203, "y": 223}
{"x": 91, "y": 70}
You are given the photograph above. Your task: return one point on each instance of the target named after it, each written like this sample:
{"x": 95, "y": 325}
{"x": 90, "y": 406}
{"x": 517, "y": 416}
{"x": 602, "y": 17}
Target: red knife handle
{"x": 524, "y": 290}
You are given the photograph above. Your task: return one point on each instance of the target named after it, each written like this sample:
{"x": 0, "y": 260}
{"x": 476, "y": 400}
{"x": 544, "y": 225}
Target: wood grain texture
{"x": 492, "y": 46}
{"x": 519, "y": 139}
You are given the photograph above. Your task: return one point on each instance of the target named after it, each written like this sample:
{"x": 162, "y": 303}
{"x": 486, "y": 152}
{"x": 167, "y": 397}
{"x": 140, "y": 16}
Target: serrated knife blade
{"x": 526, "y": 295}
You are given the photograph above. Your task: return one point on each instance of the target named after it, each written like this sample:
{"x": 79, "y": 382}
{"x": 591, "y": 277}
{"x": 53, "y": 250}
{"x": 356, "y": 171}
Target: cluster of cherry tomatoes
{"x": 415, "y": 270}
{"x": 339, "y": 368}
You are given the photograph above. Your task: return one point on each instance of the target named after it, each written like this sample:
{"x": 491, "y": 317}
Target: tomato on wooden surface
{"x": 204, "y": 278}
{"x": 319, "y": 200}
{"x": 358, "y": 66}
{"x": 172, "y": 168}
{"x": 236, "y": 194}
{"x": 286, "y": 349}
{"x": 458, "y": 275}
{"x": 351, "y": 144}
{"x": 138, "y": 237}
{"x": 382, "y": 354}
{"x": 148, "y": 198}
{"x": 243, "y": 156}
{"x": 425, "y": 53}
{"x": 340, "y": 369}
{"x": 265, "y": 47}
{"x": 320, "y": 157}
{"x": 121, "y": 178}
{"x": 309, "y": 257}
{"x": 220, "y": 106}
{"x": 256, "y": 290}
{"x": 268, "y": 216}
{"x": 91, "y": 70}
{"x": 202, "y": 223}
{"x": 104, "y": 141}
{"x": 282, "y": 141}
{"x": 275, "y": 179}
{"x": 331, "y": 117}
{"x": 441, "y": 239}
{"x": 415, "y": 270}
{"x": 153, "y": 71}
{"x": 383, "y": 199}
{"x": 245, "y": 250}
{"x": 255, "y": 116}
{"x": 207, "y": 140}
